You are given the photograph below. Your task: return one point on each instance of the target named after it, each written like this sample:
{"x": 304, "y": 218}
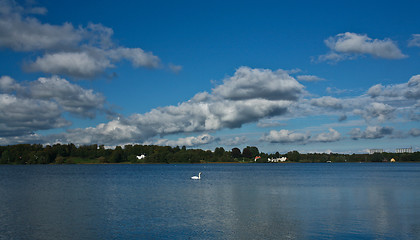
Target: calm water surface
{"x": 231, "y": 201}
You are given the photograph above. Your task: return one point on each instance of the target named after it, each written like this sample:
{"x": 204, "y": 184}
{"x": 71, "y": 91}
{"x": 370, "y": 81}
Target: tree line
{"x": 69, "y": 153}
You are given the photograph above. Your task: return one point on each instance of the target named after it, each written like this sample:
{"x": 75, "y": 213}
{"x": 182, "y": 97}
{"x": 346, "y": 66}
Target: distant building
{"x": 404, "y": 150}
{"x": 275, "y": 160}
{"x": 256, "y": 158}
{"x": 372, "y": 151}
{"x": 141, "y": 157}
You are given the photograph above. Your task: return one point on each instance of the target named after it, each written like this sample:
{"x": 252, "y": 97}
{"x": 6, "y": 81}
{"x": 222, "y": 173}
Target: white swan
{"x": 197, "y": 178}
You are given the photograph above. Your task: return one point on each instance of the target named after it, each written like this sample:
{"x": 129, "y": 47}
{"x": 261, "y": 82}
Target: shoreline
{"x": 204, "y": 163}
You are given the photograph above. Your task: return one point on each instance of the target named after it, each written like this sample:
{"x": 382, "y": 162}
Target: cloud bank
{"x": 80, "y": 52}
{"x": 239, "y": 100}
{"x": 39, "y": 105}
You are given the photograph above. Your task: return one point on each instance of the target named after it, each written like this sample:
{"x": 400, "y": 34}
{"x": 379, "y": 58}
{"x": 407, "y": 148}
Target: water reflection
{"x": 274, "y": 201}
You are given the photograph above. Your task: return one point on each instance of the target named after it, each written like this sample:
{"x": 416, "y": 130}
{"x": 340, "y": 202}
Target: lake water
{"x": 231, "y": 201}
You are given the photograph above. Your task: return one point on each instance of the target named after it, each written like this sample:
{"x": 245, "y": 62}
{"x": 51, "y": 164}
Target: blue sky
{"x": 279, "y": 75}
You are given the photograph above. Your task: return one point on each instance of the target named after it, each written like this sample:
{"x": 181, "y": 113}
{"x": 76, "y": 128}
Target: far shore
{"x": 173, "y": 163}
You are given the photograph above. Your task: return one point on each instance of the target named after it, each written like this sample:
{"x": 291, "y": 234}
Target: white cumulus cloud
{"x": 38, "y": 105}
{"x": 71, "y": 97}
{"x": 204, "y": 112}
{"x": 82, "y": 52}
{"x": 309, "y": 78}
{"x": 8, "y": 84}
{"x": 371, "y": 132}
{"x": 235, "y": 141}
{"x": 250, "y": 83}
{"x": 188, "y": 141}
{"x": 328, "y": 102}
{"x": 25, "y": 33}
{"x": 414, "y": 41}
{"x": 137, "y": 56}
{"x": 23, "y": 116}
{"x": 331, "y": 136}
{"x": 349, "y": 45}
{"x": 285, "y": 136}
{"x": 376, "y": 110}
{"x": 77, "y": 64}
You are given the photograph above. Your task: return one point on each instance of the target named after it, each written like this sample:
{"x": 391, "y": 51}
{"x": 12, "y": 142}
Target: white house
{"x": 141, "y": 157}
{"x": 276, "y": 160}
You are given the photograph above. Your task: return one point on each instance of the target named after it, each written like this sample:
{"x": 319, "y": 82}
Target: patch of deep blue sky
{"x": 210, "y": 40}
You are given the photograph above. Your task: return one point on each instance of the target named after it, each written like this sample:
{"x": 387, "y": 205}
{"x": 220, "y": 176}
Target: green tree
{"x": 376, "y": 157}
{"x": 5, "y": 157}
{"x": 218, "y": 154}
{"x": 293, "y": 156}
{"x": 246, "y": 153}
{"x": 219, "y": 151}
{"x": 236, "y": 153}
{"x": 250, "y": 152}
{"x": 117, "y": 155}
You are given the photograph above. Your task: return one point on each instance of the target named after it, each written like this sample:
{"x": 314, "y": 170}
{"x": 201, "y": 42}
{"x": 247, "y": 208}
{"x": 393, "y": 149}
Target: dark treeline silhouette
{"x": 69, "y": 153}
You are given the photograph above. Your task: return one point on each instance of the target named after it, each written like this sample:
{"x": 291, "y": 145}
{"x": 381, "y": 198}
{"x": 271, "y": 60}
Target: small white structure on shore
{"x": 276, "y": 160}
{"x": 141, "y": 157}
